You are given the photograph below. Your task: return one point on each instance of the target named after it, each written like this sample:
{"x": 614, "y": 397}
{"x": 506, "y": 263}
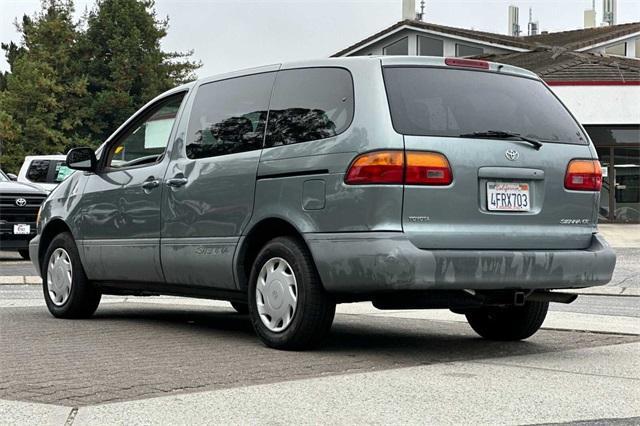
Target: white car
{"x": 46, "y": 171}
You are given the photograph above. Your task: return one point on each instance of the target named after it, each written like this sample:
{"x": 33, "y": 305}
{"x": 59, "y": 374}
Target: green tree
{"x": 43, "y": 92}
{"x": 125, "y": 65}
{"x": 71, "y": 84}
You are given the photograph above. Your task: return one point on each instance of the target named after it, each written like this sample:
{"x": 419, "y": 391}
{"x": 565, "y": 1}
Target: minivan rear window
{"x": 429, "y": 101}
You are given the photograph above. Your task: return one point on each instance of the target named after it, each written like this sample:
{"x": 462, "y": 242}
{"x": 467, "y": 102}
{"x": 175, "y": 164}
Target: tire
{"x": 241, "y": 308}
{"x": 83, "y": 298}
{"x": 314, "y": 309}
{"x": 508, "y": 324}
{"x": 24, "y": 254}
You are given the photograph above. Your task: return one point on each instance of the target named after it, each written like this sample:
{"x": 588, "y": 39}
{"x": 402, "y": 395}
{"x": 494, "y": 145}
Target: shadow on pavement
{"x": 131, "y": 351}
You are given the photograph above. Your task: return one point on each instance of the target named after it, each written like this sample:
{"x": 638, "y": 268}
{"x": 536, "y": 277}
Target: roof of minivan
{"x": 436, "y": 61}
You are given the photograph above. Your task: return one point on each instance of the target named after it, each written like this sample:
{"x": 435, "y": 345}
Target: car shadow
{"x": 397, "y": 339}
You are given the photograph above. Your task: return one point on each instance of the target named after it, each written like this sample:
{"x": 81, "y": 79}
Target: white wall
{"x": 602, "y": 104}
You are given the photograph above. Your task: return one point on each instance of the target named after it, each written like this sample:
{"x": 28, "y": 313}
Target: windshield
{"x": 451, "y": 102}
{"x": 3, "y": 177}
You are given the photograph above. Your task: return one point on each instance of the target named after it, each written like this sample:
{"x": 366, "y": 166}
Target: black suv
{"x": 19, "y": 204}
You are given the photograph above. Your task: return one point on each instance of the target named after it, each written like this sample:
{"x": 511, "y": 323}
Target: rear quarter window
{"x": 309, "y": 104}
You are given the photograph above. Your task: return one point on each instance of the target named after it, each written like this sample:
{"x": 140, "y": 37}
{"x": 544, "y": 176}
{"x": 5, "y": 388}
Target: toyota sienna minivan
{"x": 410, "y": 182}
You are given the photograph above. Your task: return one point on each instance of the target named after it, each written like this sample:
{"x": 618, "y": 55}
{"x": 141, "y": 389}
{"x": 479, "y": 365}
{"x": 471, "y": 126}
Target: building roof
{"x": 560, "y": 65}
{"x": 572, "y": 40}
{"x": 578, "y": 39}
{"x": 502, "y": 39}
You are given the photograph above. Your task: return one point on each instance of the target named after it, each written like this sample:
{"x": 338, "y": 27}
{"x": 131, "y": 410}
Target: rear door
{"x": 504, "y": 192}
{"x": 211, "y": 180}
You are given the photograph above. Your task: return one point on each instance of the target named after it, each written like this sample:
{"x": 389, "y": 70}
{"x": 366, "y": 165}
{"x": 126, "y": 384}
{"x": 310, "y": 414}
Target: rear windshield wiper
{"x": 499, "y": 134}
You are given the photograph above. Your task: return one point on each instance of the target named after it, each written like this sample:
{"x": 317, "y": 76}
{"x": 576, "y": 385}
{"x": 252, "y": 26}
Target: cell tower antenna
{"x": 421, "y": 14}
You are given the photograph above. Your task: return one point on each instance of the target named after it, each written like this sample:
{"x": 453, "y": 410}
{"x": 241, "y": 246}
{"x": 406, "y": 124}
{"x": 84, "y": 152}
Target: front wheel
{"x": 508, "y": 323}
{"x": 288, "y": 306}
{"x": 67, "y": 291}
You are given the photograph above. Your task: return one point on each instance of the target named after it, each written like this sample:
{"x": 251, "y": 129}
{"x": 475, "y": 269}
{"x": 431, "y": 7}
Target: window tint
{"x": 147, "y": 139}
{"x": 38, "y": 171}
{"x": 450, "y": 102}
{"x": 228, "y": 116}
{"x": 428, "y": 46}
{"x": 466, "y": 50}
{"x": 309, "y": 104}
{"x": 400, "y": 47}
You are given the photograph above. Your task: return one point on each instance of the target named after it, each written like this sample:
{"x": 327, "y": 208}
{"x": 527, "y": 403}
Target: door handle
{"x": 177, "y": 182}
{"x": 150, "y": 183}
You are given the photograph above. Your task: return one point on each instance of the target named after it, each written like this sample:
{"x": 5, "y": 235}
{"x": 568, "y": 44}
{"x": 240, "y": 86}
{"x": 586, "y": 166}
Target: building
{"x": 594, "y": 71}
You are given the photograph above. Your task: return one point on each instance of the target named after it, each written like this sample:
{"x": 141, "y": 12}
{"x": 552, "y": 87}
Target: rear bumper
{"x": 371, "y": 262}
{"x": 15, "y": 242}
{"x": 33, "y": 253}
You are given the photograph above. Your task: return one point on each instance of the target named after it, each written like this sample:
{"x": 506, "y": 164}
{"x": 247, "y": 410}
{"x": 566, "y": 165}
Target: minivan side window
{"x": 309, "y": 104}
{"x": 228, "y": 116}
{"x": 146, "y": 140}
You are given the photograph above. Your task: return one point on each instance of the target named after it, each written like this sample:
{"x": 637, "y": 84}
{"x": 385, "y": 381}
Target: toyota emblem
{"x": 21, "y": 202}
{"x": 512, "y": 154}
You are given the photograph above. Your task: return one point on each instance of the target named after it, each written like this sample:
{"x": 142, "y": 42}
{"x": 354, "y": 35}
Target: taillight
{"x": 427, "y": 168}
{"x": 377, "y": 167}
{"x": 396, "y": 167}
{"x": 466, "y": 63}
{"x": 583, "y": 175}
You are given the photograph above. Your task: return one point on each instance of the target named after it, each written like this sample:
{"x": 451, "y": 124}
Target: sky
{"x": 227, "y": 35}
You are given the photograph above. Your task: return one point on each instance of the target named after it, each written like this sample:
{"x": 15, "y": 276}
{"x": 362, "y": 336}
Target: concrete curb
{"x": 592, "y": 291}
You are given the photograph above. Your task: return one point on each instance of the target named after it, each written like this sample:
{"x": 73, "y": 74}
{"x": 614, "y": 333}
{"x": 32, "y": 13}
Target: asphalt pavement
{"x": 171, "y": 360}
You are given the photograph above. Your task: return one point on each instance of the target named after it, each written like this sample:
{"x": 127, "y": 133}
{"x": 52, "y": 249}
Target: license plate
{"x": 508, "y": 196}
{"x": 21, "y": 229}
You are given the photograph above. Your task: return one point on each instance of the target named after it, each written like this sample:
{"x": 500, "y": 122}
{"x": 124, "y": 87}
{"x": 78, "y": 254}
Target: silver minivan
{"x": 410, "y": 182}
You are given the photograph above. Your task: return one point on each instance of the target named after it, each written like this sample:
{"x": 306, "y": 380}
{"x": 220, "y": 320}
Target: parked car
{"x": 46, "y": 171}
{"x": 408, "y": 182}
{"x": 19, "y": 204}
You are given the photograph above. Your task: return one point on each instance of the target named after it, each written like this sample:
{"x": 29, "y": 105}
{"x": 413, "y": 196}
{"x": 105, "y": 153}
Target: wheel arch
{"x": 258, "y": 235}
{"x": 54, "y": 227}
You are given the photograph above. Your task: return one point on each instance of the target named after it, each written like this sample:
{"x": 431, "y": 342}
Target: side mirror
{"x": 82, "y": 159}
{"x": 12, "y": 176}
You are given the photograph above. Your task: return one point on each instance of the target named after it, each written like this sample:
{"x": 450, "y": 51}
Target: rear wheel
{"x": 288, "y": 306}
{"x": 24, "y": 254}
{"x": 510, "y": 323}
{"x": 241, "y": 308}
{"x": 67, "y": 291}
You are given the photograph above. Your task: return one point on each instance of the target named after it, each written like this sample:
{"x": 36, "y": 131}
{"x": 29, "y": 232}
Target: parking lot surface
{"x": 169, "y": 360}
{"x": 139, "y": 351}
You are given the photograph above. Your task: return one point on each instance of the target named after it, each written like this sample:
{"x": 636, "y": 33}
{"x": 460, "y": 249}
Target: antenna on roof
{"x": 514, "y": 26}
{"x": 532, "y": 27}
{"x": 420, "y": 16}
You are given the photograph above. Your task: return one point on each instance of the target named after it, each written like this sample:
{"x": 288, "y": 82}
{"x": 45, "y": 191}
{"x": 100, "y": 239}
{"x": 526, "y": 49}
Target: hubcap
{"x": 59, "y": 276}
{"x": 276, "y": 294}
